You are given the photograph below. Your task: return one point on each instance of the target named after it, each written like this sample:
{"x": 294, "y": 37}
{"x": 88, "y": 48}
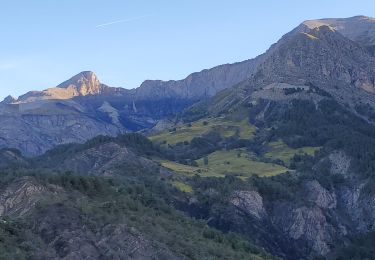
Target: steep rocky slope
{"x": 39, "y": 127}
{"x": 324, "y": 58}
{"x": 104, "y": 156}
{"x": 38, "y": 121}
{"x": 61, "y": 230}
{"x": 360, "y": 29}
{"x": 314, "y": 220}
{"x": 85, "y": 213}
{"x": 200, "y": 84}
{"x": 319, "y": 60}
{"x": 315, "y": 88}
{"x": 323, "y": 202}
{"x": 11, "y": 157}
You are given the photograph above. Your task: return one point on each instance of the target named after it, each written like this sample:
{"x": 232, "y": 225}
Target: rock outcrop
{"x": 320, "y": 196}
{"x": 66, "y": 237}
{"x": 250, "y": 202}
{"x": 200, "y": 84}
{"x": 20, "y": 197}
{"x": 9, "y": 100}
{"x": 107, "y": 159}
{"x": 33, "y": 133}
{"x": 82, "y": 84}
{"x": 309, "y": 225}
{"x": 318, "y": 60}
{"x": 360, "y": 29}
{"x": 62, "y": 231}
{"x": 305, "y": 226}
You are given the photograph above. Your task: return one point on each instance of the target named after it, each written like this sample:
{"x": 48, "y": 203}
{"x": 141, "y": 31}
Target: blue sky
{"x": 45, "y": 42}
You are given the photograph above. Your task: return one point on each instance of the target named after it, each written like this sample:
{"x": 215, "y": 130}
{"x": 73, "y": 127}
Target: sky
{"x": 44, "y": 42}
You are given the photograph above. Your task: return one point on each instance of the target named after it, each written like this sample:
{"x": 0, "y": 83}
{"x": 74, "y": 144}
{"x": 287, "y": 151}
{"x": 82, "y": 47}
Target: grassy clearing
{"x": 189, "y": 171}
{"x": 182, "y": 186}
{"x": 220, "y": 163}
{"x": 239, "y": 163}
{"x": 226, "y": 128}
{"x": 279, "y": 150}
{"x": 180, "y": 168}
{"x": 246, "y": 130}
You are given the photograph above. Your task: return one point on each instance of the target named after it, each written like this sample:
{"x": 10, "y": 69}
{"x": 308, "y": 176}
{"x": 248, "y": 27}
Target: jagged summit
{"x": 9, "y": 100}
{"x": 360, "y": 28}
{"x": 341, "y": 23}
{"x": 84, "y": 83}
{"x": 323, "y": 56}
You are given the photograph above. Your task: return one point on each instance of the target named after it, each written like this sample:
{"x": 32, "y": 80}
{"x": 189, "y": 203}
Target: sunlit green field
{"x": 182, "y": 186}
{"x": 226, "y": 128}
{"x": 237, "y": 162}
{"x": 188, "y": 170}
{"x": 220, "y": 163}
{"x": 279, "y": 150}
{"x": 240, "y": 163}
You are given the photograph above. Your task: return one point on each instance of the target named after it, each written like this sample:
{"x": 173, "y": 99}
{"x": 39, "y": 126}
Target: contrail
{"x": 121, "y": 21}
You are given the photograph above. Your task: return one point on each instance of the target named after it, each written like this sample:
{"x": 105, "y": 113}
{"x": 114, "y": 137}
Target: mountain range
{"x": 327, "y": 53}
{"x": 268, "y": 158}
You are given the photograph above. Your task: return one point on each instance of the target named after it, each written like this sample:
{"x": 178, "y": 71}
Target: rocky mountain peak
{"x": 85, "y": 83}
{"x": 360, "y": 29}
{"x": 9, "y": 100}
{"x": 321, "y": 55}
{"x": 82, "y": 84}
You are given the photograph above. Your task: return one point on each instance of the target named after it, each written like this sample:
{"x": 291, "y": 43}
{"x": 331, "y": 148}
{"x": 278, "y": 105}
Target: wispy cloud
{"x": 122, "y": 21}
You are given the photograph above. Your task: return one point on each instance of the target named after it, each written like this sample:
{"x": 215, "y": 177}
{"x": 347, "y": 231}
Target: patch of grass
{"x": 240, "y": 163}
{"x": 236, "y": 162}
{"x": 179, "y": 168}
{"x": 246, "y": 130}
{"x": 279, "y": 150}
{"x": 226, "y": 128}
{"x": 188, "y": 170}
{"x": 182, "y": 186}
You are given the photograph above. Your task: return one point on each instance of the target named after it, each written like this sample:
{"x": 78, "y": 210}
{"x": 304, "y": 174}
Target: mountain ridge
{"x": 321, "y": 56}
{"x": 208, "y": 82}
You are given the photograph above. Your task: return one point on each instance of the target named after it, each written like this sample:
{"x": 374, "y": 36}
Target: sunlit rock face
{"x": 85, "y": 83}
{"x": 360, "y": 29}
{"x": 318, "y": 57}
{"x": 82, "y": 84}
